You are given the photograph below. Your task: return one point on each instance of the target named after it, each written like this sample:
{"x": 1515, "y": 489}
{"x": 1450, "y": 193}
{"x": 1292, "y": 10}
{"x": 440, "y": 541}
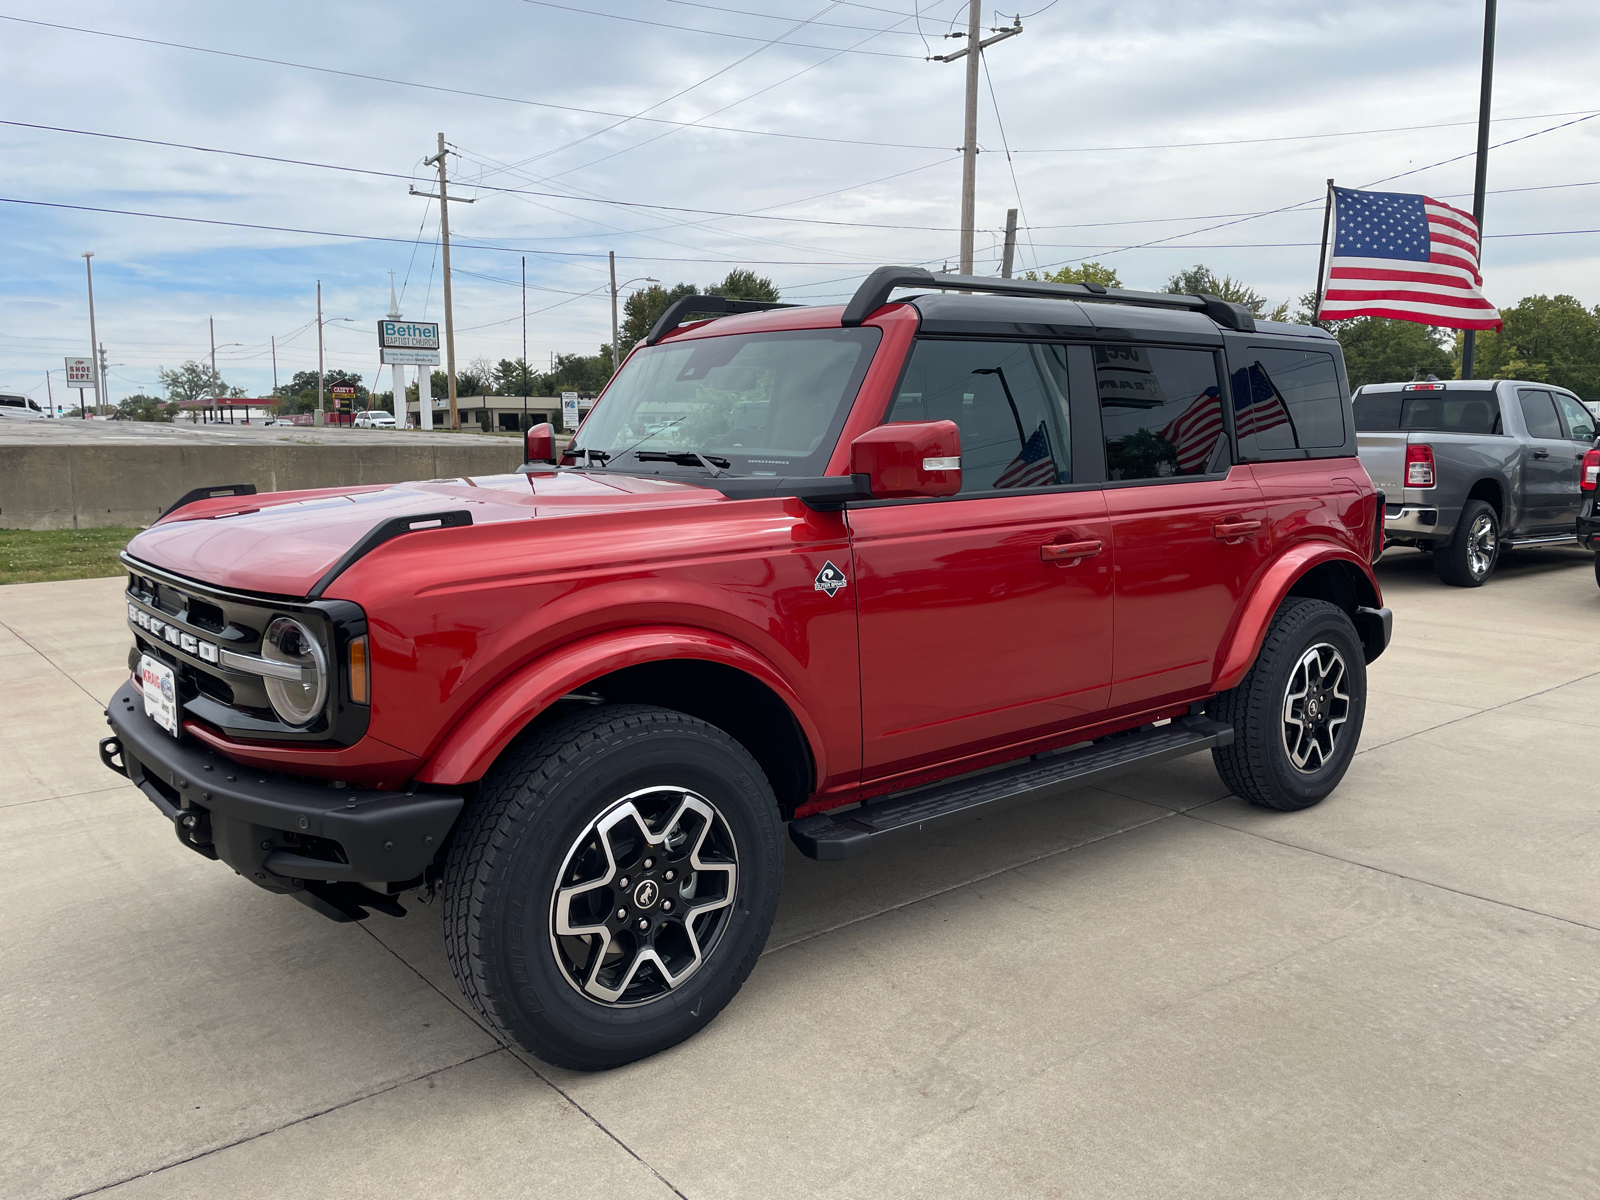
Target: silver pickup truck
{"x": 1468, "y": 466}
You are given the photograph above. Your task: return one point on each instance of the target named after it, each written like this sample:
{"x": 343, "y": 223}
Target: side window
{"x": 1161, "y": 412}
{"x": 1287, "y": 399}
{"x": 1580, "y": 425}
{"x": 1009, "y": 401}
{"x": 1539, "y": 413}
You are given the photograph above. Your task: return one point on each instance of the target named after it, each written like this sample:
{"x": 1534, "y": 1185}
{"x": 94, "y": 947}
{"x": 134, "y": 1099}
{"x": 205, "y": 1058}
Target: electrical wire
{"x": 744, "y": 37}
{"x": 454, "y": 91}
{"x": 1010, "y": 166}
{"x": 742, "y": 12}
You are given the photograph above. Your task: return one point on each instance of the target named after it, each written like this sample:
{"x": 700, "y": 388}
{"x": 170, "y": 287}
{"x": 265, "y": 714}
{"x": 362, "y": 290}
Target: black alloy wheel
{"x": 1297, "y": 714}
{"x": 612, "y": 884}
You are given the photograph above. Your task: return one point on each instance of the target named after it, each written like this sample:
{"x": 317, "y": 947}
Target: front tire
{"x": 1297, "y": 714}
{"x": 1469, "y": 557}
{"x": 612, "y": 885}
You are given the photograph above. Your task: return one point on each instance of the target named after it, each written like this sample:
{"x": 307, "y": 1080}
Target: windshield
{"x": 749, "y": 403}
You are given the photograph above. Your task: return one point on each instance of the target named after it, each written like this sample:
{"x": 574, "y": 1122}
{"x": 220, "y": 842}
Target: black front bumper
{"x": 282, "y": 833}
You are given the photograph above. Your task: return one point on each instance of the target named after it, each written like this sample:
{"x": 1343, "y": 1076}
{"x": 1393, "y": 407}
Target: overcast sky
{"x": 839, "y": 126}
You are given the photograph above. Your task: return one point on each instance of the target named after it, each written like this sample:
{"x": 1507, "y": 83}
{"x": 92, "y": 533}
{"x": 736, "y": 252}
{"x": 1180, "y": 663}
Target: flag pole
{"x": 1322, "y": 256}
{"x": 1485, "y": 90}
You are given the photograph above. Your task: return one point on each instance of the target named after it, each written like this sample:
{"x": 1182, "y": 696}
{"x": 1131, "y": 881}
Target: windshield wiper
{"x": 590, "y": 455}
{"x": 685, "y": 458}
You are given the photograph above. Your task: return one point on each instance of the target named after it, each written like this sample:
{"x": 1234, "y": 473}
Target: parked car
{"x": 280, "y": 423}
{"x": 1471, "y": 466}
{"x": 375, "y": 418}
{"x": 884, "y": 567}
{"x": 1588, "y": 517}
{"x": 20, "y": 406}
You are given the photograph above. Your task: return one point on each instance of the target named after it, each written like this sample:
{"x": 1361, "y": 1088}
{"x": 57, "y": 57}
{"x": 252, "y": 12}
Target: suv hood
{"x": 281, "y": 543}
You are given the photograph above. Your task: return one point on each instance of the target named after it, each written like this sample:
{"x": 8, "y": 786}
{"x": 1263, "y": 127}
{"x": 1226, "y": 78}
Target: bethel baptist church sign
{"x": 409, "y": 343}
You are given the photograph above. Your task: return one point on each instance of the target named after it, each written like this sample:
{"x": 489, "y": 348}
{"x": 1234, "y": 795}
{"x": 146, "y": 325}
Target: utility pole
{"x": 1010, "y": 252}
{"x": 49, "y": 393}
{"x": 522, "y": 364}
{"x": 274, "y": 364}
{"x": 104, "y": 393}
{"x": 1481, "y": 178}
{"x": 318, "y": 418}
{"x": 212, "y": 323}
{"x": 969, "y": 146}
{"x": 616, "y": 354}
{"x": 449, "y": 312}
{"x": 94, "y": 339}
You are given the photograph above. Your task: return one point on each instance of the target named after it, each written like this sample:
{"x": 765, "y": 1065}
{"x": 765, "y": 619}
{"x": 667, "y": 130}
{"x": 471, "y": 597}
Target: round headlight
{"x": 291, "y": 643}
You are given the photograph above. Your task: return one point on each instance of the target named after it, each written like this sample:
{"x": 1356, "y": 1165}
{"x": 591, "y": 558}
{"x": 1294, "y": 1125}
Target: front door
{"x": 985, "y": 617}
{"x": 1549, "y": 466}
{"x": 1189, "y": 529}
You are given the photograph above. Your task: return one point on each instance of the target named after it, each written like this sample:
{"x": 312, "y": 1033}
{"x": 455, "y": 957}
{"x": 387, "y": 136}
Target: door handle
{"x": 1235, "y": 529}
{"x": 1066, "y": 553}
{"x": 1541, "y": 452}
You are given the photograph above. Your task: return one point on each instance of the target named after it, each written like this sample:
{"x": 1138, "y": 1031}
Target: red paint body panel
{"x": 969, "y": 639}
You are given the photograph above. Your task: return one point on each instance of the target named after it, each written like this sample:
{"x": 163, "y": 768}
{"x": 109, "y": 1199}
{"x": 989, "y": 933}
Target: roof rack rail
{"x": 714, "y": 305}
{"x": 874, "y": 292}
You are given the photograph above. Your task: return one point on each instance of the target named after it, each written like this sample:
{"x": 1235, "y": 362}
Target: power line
{"x": 742, "y": 12}
{"x": 454, "y": 91}
{"x": 1005, "y": 145}
{"x": 744, "y": 37}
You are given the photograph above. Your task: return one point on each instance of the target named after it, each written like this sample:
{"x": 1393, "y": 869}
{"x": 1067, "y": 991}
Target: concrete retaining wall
{"x": 81, "y": 486}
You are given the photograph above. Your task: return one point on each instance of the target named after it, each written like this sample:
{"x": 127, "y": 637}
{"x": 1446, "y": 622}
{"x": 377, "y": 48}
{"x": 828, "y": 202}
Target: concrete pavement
{"x": 1149, "y": 989}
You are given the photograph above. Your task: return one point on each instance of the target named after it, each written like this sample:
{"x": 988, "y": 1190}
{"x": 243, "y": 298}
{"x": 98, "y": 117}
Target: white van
{"x": 19, "y": 406}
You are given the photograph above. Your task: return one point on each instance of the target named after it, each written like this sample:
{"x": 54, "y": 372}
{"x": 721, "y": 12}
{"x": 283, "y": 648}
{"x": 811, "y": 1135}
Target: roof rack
{"x": 874, "y": 292}
{"x": 716, "y": 305}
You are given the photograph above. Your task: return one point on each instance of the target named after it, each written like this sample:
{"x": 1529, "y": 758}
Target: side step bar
{"x": 833, "y": 836}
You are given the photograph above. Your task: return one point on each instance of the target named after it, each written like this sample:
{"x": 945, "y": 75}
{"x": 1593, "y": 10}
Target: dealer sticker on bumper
{"x": 159, "y": 683}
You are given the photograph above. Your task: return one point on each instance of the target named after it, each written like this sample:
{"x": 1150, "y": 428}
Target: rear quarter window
{"x": 1286, "y": 399}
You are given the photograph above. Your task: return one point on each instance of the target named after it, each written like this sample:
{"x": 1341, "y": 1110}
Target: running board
{"x": 833, "y": 836}
{"x": 1552, "y": 540}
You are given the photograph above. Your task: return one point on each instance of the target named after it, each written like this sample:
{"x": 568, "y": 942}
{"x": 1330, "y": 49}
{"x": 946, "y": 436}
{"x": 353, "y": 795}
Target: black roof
{"x": 1034, "y": 317}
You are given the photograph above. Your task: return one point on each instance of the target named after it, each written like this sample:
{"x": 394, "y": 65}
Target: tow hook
{"x": 111, "y": 755}
{"x": 194, "y": 826}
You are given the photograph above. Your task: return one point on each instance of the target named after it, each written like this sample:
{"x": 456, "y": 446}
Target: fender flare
{"x": 487, "y": 727}
{"x": 1251, "y": 628}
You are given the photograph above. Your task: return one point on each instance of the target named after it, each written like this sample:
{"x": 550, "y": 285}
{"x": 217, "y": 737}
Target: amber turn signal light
{"x": 360, "y": 686}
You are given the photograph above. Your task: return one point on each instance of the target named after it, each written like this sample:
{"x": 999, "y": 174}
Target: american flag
{"x": 1257, "y": 407}
{"x": 1033, "y": 467}
{"x": 1194, "y": 431}
{"x": 1409, "y": 257}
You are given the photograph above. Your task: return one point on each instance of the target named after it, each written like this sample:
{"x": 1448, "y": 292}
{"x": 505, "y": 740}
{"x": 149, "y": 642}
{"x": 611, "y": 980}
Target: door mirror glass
{"x": 909, "y": 458}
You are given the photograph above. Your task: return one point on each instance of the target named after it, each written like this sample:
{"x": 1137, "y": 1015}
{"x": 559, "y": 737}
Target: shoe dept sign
{"x": 409, "y": 343}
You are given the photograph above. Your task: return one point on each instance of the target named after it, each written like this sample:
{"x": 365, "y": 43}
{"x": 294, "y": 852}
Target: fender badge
{"x": 830, "y": 579}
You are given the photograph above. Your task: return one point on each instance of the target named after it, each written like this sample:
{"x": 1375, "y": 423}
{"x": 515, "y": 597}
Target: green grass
{"x": 33, "y": 556}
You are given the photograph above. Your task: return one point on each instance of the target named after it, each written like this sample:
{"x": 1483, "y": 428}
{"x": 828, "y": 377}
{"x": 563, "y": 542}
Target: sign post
{"x": 412, "y": 344}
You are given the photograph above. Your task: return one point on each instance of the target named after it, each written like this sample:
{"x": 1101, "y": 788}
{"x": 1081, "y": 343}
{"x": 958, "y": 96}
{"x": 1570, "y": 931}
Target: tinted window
{"x": 1286, "y": 400}
{"x": 1476, "y": 412}
{"x": 1539, "y": 414}
{"x": 1009, "y": 400}
{"x": 1580, "y": 425}
{"x": 765, "y": 403}
{"x": 1161, "y": 411}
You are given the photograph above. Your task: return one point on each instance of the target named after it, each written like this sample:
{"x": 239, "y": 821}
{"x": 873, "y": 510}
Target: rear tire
{"x": 612, "y": 885}
{"x": 1469, "y": 557}
{"x": 1597, "y": 569}
{"x": 1297, "y": 714}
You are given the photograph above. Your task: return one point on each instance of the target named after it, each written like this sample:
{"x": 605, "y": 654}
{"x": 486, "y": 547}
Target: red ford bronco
{"x": 864, "y": 570}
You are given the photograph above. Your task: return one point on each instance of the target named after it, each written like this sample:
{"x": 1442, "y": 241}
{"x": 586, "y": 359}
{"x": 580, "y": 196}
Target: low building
{"x": 507, "y": 414}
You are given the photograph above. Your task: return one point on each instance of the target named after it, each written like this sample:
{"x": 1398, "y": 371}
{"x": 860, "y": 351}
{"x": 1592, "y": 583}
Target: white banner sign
{"x": 394, "y": 356}
{"x": 80, "y": 372}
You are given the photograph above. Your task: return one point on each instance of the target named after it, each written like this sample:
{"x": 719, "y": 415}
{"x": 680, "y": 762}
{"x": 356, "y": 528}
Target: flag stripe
{"x": 1405, "y": 296}
{"x": 1441, "y": 320}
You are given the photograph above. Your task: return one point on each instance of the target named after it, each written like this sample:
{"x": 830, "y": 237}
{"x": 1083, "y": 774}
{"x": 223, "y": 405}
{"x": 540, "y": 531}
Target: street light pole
{"x": 616, "y": 353}
{"x": 319, "y": 353}
{"x": 94, "y": 339}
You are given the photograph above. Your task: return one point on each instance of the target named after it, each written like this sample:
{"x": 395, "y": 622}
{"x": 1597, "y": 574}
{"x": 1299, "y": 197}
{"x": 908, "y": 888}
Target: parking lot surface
{"x": 1148, "y": 989}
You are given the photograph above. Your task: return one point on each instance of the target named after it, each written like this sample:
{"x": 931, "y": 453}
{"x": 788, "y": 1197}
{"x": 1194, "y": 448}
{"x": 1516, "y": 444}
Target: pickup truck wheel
{"x": 1297, "y": 715}
{"x": 1467, "y": 559}
{"x": 612, "y": 885}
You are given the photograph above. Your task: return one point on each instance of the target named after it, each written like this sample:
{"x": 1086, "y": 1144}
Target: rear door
{"x": 1547, "y": 465}
{"x": 986, "y": 616}
{"x": 1189, "y": 528}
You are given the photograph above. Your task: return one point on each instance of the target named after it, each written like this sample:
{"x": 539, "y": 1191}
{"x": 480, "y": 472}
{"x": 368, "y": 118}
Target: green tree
{"x": 1546, "y": 339}
{"x": 581, "y": 373}
{"x": 139, "y": 407}
{"x": 1089, "y": 272}
{"x": 644, "y": 308}
{"x": 299, "y": 395}
{"x": 194, "y": 381}
{"x": 746, "y": 285}
{"x": 1200, "y": 278}
{"x": 513, "y": 377}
